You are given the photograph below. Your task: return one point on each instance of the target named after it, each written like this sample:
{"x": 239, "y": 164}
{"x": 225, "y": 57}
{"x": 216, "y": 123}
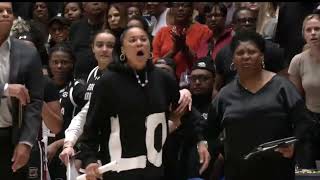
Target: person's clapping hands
{"x": 178, "y": 38}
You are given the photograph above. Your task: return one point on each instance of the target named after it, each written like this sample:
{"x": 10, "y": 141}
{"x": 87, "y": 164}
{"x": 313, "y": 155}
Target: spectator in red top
{"x": 221, "y": 35}
{"x": 181, "y": 40}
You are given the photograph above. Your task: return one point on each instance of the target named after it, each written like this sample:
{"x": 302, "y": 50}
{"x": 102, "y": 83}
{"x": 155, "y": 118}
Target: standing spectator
{"x": 231, "y": 6}
{"x": 21, "y": 91}
{"x": 288, "y": 32}
{"x": 257, "y": 107}
{"x": 253, "y": 6}
{"x": 181, "y": 40}
{"x": 59, "y": 30}
{"x": 72, "y": 11}
{"x": 81, "y": 33}
{"x": 199, "y": 12}
{"x": 159, "y": 16}
{"x": 244, "y": 20}
{"x": 221, "y": 35}
{"x": 268, "y": 19}
{"x": 304, "y": 71}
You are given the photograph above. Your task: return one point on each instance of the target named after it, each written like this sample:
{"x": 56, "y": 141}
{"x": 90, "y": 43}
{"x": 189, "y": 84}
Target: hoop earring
{"x": 232, "y": 68}
{"x": 122, "y": 57}
{"x": 151, "y": 55}
{"x": 262, "y": 63}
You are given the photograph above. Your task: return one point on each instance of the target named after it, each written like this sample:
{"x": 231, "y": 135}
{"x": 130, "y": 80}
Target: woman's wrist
{"x": 67, "y": 144}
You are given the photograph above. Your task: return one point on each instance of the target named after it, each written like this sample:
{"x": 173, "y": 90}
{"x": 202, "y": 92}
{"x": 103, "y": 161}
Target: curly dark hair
{"x": 245, "y": 36}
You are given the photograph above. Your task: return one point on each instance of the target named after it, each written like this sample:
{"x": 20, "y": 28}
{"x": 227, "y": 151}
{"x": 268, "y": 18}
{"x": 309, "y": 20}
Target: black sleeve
{"x": 96, "y": 122}
{"x": 78, "y": 93}
{"x": 51, "y": 92}
{"x": 274, "y": 57}
{"x": 298, "y": 115}
{"x": 213, "y": 129}
{"x": 172, "y": 88}
{"x": 198, "y": 125}
{"x": 33, "y": 77}
{"x": 219, "y": 62}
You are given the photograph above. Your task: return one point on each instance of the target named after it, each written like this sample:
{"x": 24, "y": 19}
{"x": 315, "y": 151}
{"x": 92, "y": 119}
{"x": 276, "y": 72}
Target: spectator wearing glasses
{"x": 221, "y": 35}
{"x": 59, "y": 30}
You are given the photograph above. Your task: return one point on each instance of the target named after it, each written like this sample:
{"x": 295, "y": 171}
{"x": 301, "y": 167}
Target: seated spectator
{"x": 201, "y": 85}
{"x": 71, "y": 93}
{"x": 181, "y": 40}
{"x": 180, "y": 150}
{"x": 72, "y": 11}
{"x": 167, "y": 64}
{"x": 58, "y": 30}
{"x": 40, "y": 18}
{"x": 134, "y": 9}
{"x": 21, "y": 29}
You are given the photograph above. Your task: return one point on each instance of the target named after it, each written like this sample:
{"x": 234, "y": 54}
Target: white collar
{"x": 6, "y": 44}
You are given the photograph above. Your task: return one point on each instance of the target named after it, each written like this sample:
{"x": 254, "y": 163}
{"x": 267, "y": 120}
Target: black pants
{"x": 307, "y": 151}
{"x": 130, "y": 175}
{"x": 36, "y": 165}
{"x": 6, "y": 152}
{"x": 56, "y": 168}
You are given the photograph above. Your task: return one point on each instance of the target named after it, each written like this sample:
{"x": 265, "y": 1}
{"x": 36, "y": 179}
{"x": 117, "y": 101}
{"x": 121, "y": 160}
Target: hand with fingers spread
{"x": 19, "y": 91}
{"x": 92, "y": 172}
{"x": 20, "y": 156}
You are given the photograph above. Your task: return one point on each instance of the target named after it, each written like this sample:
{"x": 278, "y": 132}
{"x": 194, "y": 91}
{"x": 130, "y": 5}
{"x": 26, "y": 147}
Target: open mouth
{"x": 140, "y": 53}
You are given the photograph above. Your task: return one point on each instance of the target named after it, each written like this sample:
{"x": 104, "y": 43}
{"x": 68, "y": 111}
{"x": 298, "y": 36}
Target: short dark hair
{"x": 236, "y": 13}
{"x": 142, "y": 20}
{"x": 78, "y": 3}
{"x": 64, "y": 47}
{"x": 223, "y": 9}
{"x": 244, "y": 36}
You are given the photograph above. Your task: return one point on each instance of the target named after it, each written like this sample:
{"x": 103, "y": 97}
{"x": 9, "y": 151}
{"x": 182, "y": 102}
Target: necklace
{"x": 139, "y": 81}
